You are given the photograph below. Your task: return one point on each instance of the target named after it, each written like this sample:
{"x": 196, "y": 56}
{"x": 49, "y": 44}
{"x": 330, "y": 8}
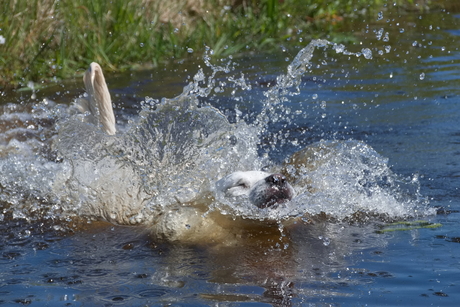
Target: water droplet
{"x": 189, "y": 50}
{"x": 379, "y": 34}
{"x": 386, "y": 38}
{"x": 367, "y": 53}
{"x": 141, "y": 44}
{"x": 422, "y": 76}
{"x": 339, "y": 48}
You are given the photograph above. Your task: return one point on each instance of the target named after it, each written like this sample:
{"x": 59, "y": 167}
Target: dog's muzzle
{"x": 271, "y": 191}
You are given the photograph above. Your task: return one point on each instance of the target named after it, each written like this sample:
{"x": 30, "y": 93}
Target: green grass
{"x": 49, "y": 40}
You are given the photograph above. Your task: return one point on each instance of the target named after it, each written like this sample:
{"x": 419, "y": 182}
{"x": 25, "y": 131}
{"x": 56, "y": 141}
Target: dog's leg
{"x": 99, "y": 101}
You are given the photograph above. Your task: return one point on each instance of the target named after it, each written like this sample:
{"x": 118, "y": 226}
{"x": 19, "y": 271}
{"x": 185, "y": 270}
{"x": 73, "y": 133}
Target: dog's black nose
{"x": 272, "y": 191}
{"x": 276, "y": 179}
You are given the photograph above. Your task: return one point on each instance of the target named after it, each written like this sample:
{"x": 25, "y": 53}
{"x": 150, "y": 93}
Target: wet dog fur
{"x": 190, "y": 223}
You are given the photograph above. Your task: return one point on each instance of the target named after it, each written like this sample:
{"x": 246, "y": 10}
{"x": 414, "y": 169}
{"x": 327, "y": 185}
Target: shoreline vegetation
{"x": 50, "y": 40}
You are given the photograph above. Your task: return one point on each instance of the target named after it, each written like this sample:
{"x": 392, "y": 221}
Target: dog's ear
{"x": 100, "y": 103}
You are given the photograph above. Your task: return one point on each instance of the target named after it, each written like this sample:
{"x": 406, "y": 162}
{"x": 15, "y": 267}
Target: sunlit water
{"x": 380, "y": 118}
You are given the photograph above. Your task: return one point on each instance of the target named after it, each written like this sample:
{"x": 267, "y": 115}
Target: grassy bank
{"x": 50, "y": 39}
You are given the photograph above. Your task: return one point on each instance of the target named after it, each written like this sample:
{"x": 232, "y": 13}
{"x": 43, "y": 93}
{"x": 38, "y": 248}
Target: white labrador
{"x": 263, "y": 189}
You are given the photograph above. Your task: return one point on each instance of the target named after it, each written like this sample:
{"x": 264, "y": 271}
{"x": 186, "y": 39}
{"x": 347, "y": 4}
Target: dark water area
{"x": 403, "y": 101}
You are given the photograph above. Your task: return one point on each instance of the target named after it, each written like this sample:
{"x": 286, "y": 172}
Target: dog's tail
{"x": 98, "y": 103}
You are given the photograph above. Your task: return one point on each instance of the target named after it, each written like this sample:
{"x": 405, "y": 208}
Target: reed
{"x": 42, "y": 40}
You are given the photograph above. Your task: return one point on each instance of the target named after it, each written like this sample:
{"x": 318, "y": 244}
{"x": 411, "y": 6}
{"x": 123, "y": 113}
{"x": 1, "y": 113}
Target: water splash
{"x": 172, "y": 155}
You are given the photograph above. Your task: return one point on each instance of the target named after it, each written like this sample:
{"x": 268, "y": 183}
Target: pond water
{"x": 376, "y": 224}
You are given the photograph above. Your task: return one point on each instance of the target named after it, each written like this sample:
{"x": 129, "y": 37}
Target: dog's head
{"x": 263, "y": 189}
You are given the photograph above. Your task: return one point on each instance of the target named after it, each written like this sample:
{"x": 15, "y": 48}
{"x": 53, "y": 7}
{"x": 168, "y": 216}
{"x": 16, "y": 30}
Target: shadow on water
{"x": 403, "y": 102}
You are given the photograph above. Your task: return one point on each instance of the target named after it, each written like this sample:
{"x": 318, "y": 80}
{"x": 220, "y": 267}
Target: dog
{"x": 191, "y": 223}
{"x": 264, "y": 190}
